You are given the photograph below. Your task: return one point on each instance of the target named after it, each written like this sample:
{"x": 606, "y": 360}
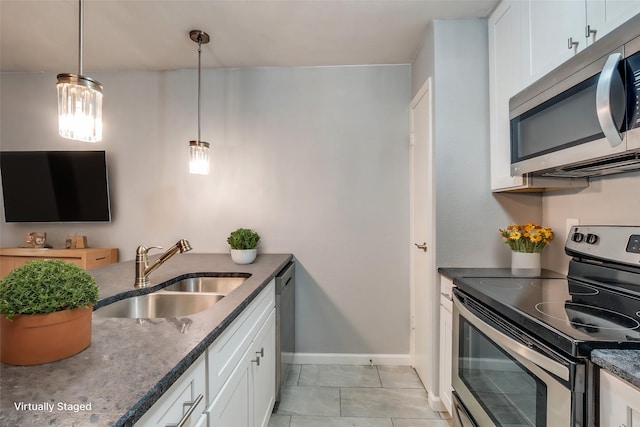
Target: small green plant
{"x": 46, "y": 286}
{"x": 243, "y": 238}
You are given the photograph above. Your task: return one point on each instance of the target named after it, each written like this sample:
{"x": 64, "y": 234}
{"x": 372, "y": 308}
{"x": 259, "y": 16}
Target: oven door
{"x": 503, "y": 377}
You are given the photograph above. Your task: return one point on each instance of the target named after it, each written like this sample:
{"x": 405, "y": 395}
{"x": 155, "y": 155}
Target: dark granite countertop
{"x": 454, "y": 273}
{"x": 130, "y": 363}
{"x": 622, "y": 363}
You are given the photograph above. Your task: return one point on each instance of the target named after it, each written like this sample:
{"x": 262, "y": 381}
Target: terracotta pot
{"x": 32, "y": 339}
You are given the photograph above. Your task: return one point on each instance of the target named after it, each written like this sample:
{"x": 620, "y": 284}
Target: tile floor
{"x": 355, "y": 396}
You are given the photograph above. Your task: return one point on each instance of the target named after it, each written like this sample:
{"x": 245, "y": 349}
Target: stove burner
{"x": 588, "y": 318}
{"x": 578, "y": 289}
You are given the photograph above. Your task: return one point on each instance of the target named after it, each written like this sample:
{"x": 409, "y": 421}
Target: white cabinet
{"x": 605, "y": 15}
{"x": 247, "y": 397}
{"x": 263, "y": 372}
{"x": 446, "y": 336}
{"x": 508, "y": 60}
{"x": 242, "y": 367}
{"x": 231, "y": 406}
{"x": 619, "y": 402}
{"x": 557, "y": 31}
{"x": 184, "y": 399}
{"x": 233, "y": 383}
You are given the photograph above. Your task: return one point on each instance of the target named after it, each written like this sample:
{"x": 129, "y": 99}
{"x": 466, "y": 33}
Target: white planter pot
{"x": 525, "y": 264}
{"x": 243, "y": 256}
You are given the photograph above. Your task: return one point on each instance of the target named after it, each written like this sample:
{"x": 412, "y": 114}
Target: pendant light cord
{"x": 80, "y": 37}
{"x": 199, "y": 55}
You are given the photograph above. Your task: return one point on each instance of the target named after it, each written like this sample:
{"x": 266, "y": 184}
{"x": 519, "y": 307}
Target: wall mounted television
{"x": 55, "y": 186}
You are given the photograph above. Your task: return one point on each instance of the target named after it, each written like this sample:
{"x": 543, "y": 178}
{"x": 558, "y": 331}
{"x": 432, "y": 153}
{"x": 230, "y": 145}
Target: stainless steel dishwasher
{"x": 285, "y": 325}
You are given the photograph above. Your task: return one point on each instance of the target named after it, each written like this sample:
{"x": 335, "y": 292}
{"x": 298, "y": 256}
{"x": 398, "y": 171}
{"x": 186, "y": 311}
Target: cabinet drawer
{"x": 99, "y": 258}
{"x": 174, "y": 404}
{"x": 227, "y": 350}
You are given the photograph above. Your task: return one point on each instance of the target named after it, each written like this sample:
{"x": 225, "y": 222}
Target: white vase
{"x": 243, "y": 256}
{"x": 525, "y": 264}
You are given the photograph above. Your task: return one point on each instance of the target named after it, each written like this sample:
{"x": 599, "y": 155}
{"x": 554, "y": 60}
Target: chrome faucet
{"x": 143, "y": 269}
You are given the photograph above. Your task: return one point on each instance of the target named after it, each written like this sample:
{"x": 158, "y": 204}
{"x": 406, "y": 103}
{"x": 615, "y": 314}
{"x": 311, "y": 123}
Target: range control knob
{"x": 577, "y": 237}
{"x": 592, "y": 239}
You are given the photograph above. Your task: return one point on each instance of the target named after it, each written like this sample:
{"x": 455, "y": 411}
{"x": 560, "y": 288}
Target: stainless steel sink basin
{"x": 218, "y": 285}
{"x": 159, "y": 304}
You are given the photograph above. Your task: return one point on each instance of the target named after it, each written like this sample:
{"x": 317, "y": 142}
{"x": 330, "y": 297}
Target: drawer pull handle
{"x": 257, "y": 361}
{"x": 101, "y": 258}
{"x": 261, "y": 352}
{"x": 187, "y": 415}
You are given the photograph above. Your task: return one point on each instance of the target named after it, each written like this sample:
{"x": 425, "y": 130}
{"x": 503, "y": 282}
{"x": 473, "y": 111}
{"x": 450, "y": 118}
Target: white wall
{"x": 315, "y": 159}
{"x": 612, "y": 200}
{"x": 468, "y": 215}
{"x": 455, "y": 54}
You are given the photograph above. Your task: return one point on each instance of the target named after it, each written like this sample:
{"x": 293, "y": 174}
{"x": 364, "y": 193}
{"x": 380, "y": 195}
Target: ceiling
{"x": 41, "y": 35}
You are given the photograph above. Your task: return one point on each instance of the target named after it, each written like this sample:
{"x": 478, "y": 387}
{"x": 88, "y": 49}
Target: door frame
{"x": 432, "y": 381}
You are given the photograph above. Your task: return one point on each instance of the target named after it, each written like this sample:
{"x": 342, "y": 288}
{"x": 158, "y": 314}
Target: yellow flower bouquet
{"x": 529, "y": 238}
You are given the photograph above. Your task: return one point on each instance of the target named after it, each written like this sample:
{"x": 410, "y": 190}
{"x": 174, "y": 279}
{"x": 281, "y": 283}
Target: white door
{"x": 424, "y": 298}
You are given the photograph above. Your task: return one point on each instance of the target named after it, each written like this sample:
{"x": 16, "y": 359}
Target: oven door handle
{"x": 530, "y": 354}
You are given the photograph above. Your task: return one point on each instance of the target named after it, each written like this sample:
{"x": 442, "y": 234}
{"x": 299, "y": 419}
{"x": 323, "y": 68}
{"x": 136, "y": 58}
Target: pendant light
{"x": 198, "y": 149}
{"x": 79, "y": 100}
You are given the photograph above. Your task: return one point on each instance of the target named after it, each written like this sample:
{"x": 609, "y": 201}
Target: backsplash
{"x": 613, "y": 200}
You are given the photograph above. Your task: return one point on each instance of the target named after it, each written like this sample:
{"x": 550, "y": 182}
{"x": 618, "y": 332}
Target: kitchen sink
{"x": 209, "y": 284}
{"x": 159, "y": 304}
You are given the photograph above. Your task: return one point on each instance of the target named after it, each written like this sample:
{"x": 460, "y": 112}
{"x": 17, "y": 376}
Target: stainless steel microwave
{"x": 583, "y": 118}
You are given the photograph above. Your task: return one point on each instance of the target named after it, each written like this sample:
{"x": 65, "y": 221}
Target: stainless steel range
{"x": 521, "y": 346}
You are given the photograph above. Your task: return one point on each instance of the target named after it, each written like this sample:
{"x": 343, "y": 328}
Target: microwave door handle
{"x": 604, "y": 109}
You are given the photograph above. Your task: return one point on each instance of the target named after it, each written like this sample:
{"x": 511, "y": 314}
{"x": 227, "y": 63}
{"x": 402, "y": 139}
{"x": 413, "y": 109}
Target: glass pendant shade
{"x": 79, "y": 108}
{"x": 199, "y": 157}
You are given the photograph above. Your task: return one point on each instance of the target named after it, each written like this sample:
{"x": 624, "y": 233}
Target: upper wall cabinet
{"x": 508, "y": 62}
{"x": 560, "y": 29}
{"x": 556, "y": 33}
{"x": 605, "y": 15}
{"x": 527, "y": 39}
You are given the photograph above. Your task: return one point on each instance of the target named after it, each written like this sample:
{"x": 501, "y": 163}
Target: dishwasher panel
{"x": 285, "y": 325}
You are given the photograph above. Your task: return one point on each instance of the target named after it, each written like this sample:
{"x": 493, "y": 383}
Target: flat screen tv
{"x": 55, "y": 186}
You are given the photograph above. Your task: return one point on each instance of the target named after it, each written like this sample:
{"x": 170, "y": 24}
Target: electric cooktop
{"x": 596, "y": 306}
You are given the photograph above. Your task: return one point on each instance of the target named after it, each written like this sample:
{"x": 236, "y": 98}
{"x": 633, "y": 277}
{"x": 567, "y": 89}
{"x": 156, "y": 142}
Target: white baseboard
{"x": 436, "y": 403}
{"x": 351, "y": 359}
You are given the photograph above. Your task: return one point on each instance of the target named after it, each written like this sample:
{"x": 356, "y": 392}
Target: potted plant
{"x": 526, "y": 243}
{"x": 45, "y": 312}
{"x": 243, "y": 244}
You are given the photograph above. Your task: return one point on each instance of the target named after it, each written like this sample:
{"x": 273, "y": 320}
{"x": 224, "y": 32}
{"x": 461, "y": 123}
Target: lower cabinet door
{"x": 232, "y": 407}
{"x": 202, "y": 421}
{"x": 264, "y": 372}
{"x": 619, "y": 402}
